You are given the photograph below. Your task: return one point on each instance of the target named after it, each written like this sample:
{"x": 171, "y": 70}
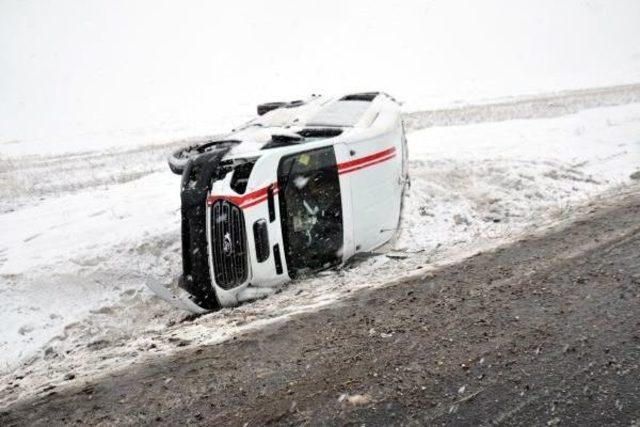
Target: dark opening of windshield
{"x": 311, "y": 210}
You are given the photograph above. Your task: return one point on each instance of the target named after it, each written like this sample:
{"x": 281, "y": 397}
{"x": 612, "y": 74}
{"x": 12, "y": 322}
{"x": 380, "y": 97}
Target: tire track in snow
{"x": 27, "y": 179}
{"x": 526, "y": 107}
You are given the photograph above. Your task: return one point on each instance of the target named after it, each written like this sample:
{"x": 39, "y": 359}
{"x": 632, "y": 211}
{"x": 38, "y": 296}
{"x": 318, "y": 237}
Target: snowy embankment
{"x": 75, "y": 255}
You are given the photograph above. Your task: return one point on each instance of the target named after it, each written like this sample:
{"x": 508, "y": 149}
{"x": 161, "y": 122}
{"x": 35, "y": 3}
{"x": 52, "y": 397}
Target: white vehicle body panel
{"x": 369, "y": 159}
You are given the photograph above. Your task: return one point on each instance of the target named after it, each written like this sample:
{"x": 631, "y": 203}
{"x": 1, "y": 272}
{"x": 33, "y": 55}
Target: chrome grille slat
{"x": 228, "y": 243}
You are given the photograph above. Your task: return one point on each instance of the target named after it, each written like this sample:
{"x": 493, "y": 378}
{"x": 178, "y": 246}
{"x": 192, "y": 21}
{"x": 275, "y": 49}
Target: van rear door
{"x": 373, "y": 171}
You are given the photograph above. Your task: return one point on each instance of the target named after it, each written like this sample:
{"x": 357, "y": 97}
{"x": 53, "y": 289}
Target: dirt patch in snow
{"x": 456, "y": 206}
{"x": 543, "y": 331}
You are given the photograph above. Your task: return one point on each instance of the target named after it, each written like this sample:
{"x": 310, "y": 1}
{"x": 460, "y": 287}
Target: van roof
{"x": 318, "y": 110}
{"x": 340, "y": 113}
{"x": 347, "y": 113}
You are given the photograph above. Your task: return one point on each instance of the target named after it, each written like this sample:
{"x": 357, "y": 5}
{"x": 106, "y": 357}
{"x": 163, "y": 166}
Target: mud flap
{"x": 175, "y": 296}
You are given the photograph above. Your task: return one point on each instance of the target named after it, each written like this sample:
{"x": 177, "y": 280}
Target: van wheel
{"x": 179, "y": 158}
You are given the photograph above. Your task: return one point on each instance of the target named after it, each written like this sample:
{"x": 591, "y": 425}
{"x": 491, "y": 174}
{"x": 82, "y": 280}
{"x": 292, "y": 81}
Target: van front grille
{"x": 228, "y": 244}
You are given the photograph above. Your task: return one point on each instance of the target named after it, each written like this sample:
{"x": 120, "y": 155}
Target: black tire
{"x": 179, "y": 158}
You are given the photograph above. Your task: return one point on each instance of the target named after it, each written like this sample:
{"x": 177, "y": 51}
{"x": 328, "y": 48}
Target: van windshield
{"x": 310, "y": 210}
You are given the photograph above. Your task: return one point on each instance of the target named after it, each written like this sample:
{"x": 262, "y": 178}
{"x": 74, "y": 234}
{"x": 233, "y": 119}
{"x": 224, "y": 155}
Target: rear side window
{"x": 364, "y": 96}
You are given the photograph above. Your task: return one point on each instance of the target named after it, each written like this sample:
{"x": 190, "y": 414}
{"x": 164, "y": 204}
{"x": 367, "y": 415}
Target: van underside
{"x": 196, "y": 179}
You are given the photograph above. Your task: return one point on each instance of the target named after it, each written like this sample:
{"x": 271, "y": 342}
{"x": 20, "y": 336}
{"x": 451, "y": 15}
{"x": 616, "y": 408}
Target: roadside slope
{"x": 30, "y": 178}
{"x": 541, "y": 331}
{"x": 525, "y": 107}
{"x": 88, "y": 230}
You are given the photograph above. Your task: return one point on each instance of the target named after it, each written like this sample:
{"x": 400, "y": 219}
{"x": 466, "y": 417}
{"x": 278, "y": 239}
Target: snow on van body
{"x": 302, "y": 187}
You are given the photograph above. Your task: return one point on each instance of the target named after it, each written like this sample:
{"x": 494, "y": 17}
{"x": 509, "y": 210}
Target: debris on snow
{"x": 397, "y": 255}
{"x": 355, "y": 399}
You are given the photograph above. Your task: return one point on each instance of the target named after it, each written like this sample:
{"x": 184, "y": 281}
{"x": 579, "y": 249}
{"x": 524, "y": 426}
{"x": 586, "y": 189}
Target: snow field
{"x": 73, "y": 265}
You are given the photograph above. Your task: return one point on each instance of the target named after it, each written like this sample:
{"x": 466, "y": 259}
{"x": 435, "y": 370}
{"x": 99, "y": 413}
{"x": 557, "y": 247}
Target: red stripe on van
{"x": 370, "y": 160}
{"x": 366, "y": 165}
{"x": 260, "y": 195}
{"x": 246, "y": 200}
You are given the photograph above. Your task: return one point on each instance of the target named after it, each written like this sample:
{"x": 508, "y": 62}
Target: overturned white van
{"x": 303, "y": 187}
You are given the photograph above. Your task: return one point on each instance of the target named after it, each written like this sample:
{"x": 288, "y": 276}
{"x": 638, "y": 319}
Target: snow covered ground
{"x": 73, "y": 264}
{"x": 92, "y": 102}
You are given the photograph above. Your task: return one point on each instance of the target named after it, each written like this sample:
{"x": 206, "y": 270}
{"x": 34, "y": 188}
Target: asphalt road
{"x": 542, "y": 332}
